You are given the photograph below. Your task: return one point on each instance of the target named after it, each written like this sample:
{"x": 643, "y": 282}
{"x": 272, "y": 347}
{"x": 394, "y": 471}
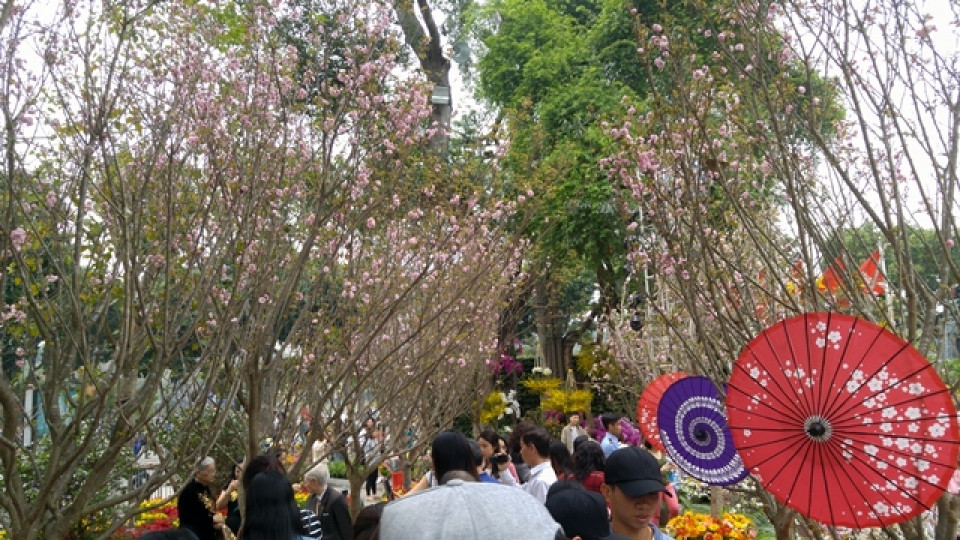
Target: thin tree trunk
{"x": 948, "y": 508}
{"x": 356, "y": 493}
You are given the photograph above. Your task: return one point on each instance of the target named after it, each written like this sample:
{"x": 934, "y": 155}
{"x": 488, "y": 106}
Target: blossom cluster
{"x": 695, "y": 526}
{"x": 506, "y": 365}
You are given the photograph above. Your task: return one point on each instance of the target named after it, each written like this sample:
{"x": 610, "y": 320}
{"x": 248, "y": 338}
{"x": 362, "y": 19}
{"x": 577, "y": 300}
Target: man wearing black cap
{"x": 581, "y": 513}
{"x": 632, "y": 487}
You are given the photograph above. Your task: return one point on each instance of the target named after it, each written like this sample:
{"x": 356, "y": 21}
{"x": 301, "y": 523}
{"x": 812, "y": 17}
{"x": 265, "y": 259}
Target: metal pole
{"x": 887, "y": 292}
{"x": 29, "y": 396}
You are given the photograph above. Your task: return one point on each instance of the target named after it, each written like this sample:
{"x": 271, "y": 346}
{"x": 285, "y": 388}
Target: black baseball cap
{"x": 580, "y": 512}
{"x": 634, "y": 471}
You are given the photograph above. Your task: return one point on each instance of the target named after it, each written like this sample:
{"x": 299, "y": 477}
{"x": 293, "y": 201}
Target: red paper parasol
{"x": 647, "y": 407}
{"x": 843, "y": 421}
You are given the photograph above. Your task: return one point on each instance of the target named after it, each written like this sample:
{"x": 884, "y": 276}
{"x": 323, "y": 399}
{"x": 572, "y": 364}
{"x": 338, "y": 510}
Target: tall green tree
{"x": 560, "y": 72}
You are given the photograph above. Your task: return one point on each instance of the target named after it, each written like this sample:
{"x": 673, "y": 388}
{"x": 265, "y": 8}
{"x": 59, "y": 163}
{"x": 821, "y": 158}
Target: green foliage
{"x": 338, "y": 469}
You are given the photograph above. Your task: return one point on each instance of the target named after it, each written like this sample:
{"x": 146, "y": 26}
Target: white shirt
{"x": 507, "y": 479}
{"x": 541, "y": 478}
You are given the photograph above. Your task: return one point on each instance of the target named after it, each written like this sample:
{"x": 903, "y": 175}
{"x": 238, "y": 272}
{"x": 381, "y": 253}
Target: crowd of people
{"x": 526, "y": 485}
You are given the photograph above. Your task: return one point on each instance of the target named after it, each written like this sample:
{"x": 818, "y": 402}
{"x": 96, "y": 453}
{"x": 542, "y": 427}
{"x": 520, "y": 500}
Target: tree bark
{"x": 948, "y": 509}
{"x": 556, "y": 351}
{"x": 425, "y": 40}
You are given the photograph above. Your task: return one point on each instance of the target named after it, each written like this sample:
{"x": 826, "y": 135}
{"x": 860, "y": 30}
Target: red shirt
{"x": 593, "y": 481}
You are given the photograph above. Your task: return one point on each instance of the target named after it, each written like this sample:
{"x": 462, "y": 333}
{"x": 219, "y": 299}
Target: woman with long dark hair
{"x": 496, "y": 462}
{"x": 270, "y": 511}
{"x": 229, "y": 498}
{"x": 270, "y": 463}
{"x": 588, "y": 463}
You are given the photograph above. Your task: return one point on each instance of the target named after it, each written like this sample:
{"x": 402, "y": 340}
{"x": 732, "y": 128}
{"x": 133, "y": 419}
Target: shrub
{"x": 338, "y": 469}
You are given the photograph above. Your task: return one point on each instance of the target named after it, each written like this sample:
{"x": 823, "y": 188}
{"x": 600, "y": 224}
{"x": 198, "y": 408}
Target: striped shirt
{"x": 311, "y": 523}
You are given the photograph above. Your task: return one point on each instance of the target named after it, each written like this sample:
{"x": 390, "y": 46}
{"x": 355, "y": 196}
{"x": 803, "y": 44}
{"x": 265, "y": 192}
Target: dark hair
{"x": 477, "y": 452}
{"x": 648, "y": 445}
{"x": 233, "y": 473}
{"x": 367, "y": 524}
{"x": 563, "y": 485}
{"x": 522, "y": 427}
{"x": 571, "y": 413}
{"x": 609, "y": 419}
{"x": 580, "y": 440}
{"x": 450, "y": 451}
{"x": 491, "y": 436}
{"x": 259, "y": 464}
{"x": 588, "y": 458}
{"x": 271, "y": 512}
{"x": 170, "y": 534}
{"x": 233, "y": 470}
{"x": 539, "y": 438}
{"x": 560, "y": 458}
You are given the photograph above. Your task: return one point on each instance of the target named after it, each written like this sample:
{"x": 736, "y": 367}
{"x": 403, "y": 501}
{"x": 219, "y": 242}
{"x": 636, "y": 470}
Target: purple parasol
{"x": 693, "y": 428}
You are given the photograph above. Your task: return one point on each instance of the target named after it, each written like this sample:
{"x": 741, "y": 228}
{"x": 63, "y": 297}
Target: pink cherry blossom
{"x": 18, "y": 237}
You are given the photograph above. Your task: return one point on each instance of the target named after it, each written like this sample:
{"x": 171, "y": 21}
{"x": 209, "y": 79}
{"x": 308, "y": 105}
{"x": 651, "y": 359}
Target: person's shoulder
{"x": 658, "y": 534}
{"x": 191, "y": 488}
{"x": 337, "y": 498}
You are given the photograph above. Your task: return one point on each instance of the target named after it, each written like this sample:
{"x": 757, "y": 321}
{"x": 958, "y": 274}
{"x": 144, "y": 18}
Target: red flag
{"x": 873, "y": 279}
{"x": 830, "y": 280}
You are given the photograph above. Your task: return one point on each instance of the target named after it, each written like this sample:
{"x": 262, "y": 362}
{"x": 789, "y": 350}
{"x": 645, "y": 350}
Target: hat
{"x": 634, "y": 471}
{"x": 461, "y": 510}
{"x": 580, "y": 513}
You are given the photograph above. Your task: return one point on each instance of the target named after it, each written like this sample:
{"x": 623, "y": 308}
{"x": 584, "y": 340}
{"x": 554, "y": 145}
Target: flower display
{"x": 157, "y": 516}
{"x": 506, "y": 365}
{"x": 565, "y": 400}
{"x": 496, "y": 405}
{"x": 695, "y": 526}
{"x": 630, "y": 435}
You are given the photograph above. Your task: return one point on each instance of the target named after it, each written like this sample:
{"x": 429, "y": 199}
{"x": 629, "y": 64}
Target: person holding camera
{"x": 496, "y": 462}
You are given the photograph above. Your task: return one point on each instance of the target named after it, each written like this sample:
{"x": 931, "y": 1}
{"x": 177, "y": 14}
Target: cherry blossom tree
{"x": 198, "y": 222}
{"x": 753, "y": 163}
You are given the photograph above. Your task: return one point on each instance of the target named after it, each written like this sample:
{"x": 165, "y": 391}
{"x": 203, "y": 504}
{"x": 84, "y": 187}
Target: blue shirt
{"x": 485, "y": 477}
{"x": 609, "y": 444}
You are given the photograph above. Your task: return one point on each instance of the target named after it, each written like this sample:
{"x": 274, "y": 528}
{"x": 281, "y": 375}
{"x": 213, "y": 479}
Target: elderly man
{"x": 328, "y": 504}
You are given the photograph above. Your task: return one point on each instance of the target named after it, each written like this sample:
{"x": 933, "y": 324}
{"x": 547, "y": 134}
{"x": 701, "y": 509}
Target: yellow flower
{"x": 542, "y": 386}
{"x": 566, "y": 400}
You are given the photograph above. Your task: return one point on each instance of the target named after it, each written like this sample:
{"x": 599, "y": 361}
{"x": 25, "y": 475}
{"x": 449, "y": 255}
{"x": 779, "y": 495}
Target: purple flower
{"x": 507, "y": 365}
